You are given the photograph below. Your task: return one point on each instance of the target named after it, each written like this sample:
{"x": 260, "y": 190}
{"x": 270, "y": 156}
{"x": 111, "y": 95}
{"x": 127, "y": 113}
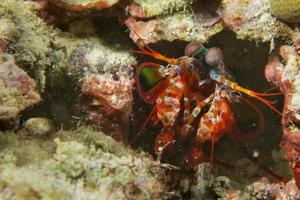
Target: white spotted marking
{"x": 179, "y": 85}
{"x": 196, "y": 112}
{"x": 171, "y": 101}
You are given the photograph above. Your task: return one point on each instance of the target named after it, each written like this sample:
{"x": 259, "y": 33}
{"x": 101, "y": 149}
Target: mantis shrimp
{"x": 199, "y": 86}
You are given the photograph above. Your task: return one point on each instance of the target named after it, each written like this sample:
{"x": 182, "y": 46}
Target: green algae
{"x": 23, "y": 151}
{"x": 66, "y": 168}
{"x": 45, "y": 51}
{"x": 84, "y": 5}
{"x": 286, "y": 10}
{"x": 255, "y": 21}
{"x": 155, "y": 8}
{"x": 184, "y": 27}
{"x": 17, "y": 89}
{"x": 31, "y": 44}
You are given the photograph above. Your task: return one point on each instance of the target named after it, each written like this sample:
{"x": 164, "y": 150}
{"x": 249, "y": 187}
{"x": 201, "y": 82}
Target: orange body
{"x": 182, "y": 78}
{"x": 215, "y": 122}
{"x": 168, "y": 102}
{"x": 297, "y": 175}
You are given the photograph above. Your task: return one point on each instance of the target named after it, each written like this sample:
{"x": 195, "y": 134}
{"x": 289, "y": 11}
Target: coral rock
{"x": 79, "y": 5}
{"x": 287, "y": 77}
{"x": 152, "y": 8}
{"x": 252, "y": 20}
{"x": 263, "y": 189}
{"x": 110, "y": 103}
{"x": 180, "y": 26}
{"x": 17, "y": 89}
{"x": 203, "y": 181}
{"x": 286, "y": 10}
{"x": 38, "y": 126}
{"x": 82, "y": 164}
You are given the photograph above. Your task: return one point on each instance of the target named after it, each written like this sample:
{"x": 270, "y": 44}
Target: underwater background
{"x": 99, "y": 99}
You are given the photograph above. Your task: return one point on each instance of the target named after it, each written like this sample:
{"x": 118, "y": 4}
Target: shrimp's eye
{"x": 191, "y": 66}
{"x": 196, "y": 50}
{"x": 149, "y": 77}
{"x": 213, "y": 56}
{"x": 191, "y": 48}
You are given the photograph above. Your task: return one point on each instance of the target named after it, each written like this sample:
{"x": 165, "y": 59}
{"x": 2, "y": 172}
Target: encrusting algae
{"x": 152, "y": 8}
{"x": 40, "y": 48}
{"x": 286, "y": 10}
{"x": 17, "y": 89}
{"x": 82, "y": 164}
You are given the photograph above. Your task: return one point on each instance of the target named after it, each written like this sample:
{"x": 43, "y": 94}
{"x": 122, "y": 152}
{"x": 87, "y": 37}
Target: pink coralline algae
{"x": 109, "y": 103}
{"x": 141, "y": 30}
{"x": 136, "y": 11}
{"x": 251, "y": 19}
{"x": 285, "y": 74}
{"x": 263, "y": 189}
{"x": 17, "y": 89}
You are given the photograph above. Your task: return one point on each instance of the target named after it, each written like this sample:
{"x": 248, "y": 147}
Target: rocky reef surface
{"x": 65, "y": 64}
{"x": 17, "y": 88}
{"x": 82, "y": 164}
{"x": 286, "y": 76}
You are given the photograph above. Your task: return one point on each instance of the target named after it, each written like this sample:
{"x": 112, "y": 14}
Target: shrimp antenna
{"x": 259, "y": 96}
{"x": 150, "y": 52}
{"x": 142, "y": 130}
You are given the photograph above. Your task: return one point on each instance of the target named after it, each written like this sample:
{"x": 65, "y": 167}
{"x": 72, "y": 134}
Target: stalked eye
{"x": 149, "y": 77}
{"x": 191, "y": 48}
{"x": 214, "y": 56}
{"x": 191, "y": 66}
{"x": 195, "y": 50}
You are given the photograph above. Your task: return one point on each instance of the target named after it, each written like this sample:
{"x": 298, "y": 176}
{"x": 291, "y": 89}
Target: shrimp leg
{"x": 187, "y": 127}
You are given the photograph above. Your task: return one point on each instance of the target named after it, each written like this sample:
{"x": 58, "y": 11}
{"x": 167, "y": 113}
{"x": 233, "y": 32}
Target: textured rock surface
{"x": 64, "y": 60}
{"x": 88, "y": 166}
{"x": 28, "y": 37}
{"x": 80, "y": 5}
{"x": 40, "y": 48}
{"x": 38, "y": 126}
{"x": 286, "y": 76}
{"x": 110, "y": 103}
{"x": 286, "y": 10}
{"x": 17, "y": 89}
{"x": 152, "y": 8}
{"x": 180, "y": 26}
{"x": 263, "y": 189}
{"x": 253, "y": 20}
{"x": 248, "y": 19}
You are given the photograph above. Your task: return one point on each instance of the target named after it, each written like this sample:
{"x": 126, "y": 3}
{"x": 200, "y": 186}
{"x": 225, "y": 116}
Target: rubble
{"x": 64, "y": 61}
{"x": 17, "y": 89}
{"x": 110, "y": 103}
{"x": 75, "y": 167}
{"x": 38, "y": 126}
